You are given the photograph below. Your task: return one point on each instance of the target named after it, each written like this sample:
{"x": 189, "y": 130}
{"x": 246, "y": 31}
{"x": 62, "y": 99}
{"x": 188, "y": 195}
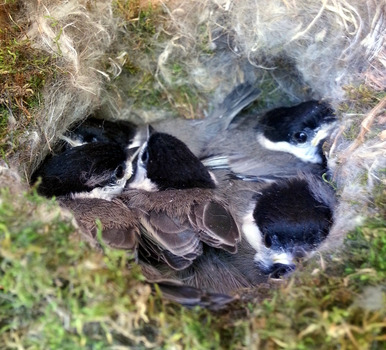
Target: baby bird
{"x": 280, "y": 143}
{"x": 190, "y": 218}
{"x": 179, "y": 207}
{"x": 122, "y": 133}
{"x": 284, "y": 220}
{"x": 82, "y": 169}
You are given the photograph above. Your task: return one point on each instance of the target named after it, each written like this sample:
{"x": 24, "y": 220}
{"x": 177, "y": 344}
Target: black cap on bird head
{"x": 296, "y": 124}
{"x": 289, "y": 220}
{"x": 290, "y": 216}
{"x": 300, "y": 130}
{"x": 170, "y": 164}
{"x": 81, "y": 169}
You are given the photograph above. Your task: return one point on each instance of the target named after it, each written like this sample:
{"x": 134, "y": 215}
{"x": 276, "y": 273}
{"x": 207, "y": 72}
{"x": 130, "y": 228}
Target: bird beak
{"x": 71, "y": 142}
{"x": 282, "y": 258}
{"x": 150, "y": 131}
{"x": 129, "y": 163}
{"x": 322, "y": 133}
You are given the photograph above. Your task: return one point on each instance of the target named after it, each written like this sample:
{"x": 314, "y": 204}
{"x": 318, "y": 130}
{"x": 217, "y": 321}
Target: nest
{"x": 168, "y": 59}
{"x": 293, "y": 51}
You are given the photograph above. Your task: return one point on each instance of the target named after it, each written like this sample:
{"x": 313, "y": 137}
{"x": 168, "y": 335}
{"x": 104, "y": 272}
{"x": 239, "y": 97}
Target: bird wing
{"x": 169, "y": 239}
{"x": 215, "y": 225}
{"x": 191, "y": 296}
{"x": 260, "y": 165}
{"x": 120, "y": 226}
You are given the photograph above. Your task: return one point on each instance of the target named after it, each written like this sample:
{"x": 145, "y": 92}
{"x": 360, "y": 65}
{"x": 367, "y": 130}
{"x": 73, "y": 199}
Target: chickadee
{"x": 282, "y": 221}
{"x": 179, "y": 208}
{"x": 279, "y": 222}
{"x": 102, "y": 166}
{"x": 171, "y": 223}
{"x": 281, "y": 143}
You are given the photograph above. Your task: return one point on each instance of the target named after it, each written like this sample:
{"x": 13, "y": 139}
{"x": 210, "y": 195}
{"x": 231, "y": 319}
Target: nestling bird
{"x": 280, "y": 143}
{"x": 280, "y": 223}
{"x": 195, "y": 230}
{"x": 179, "y": 208}
{"x": 284, "y": 220}
{"x": 99, "y": 169}
{"x": 178, "y": 240}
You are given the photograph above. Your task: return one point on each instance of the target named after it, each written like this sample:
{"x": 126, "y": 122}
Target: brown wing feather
{"x": 191, "y": 296}
{"x": 150, "y": 252}
{"x": 216, "y": 226}
{"x": 120, "y": 226}
{"x": 176, "y": 222}
{"x": 172, "y": 239}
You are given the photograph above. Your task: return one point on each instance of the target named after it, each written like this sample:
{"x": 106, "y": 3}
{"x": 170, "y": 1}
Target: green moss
{"x": 361, "y": 98}
{"x": 379, "y": 194}
{"x": 204, "y": 42}
{"x": 58, "y": 293}
{"x": 369, "y": 249}
{"x": 54, "y": 287}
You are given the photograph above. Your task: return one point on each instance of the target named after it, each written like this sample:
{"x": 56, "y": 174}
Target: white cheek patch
{"x": 264, "y": 257}
{"x": 305, "y": 152}
{"x": 252, "y": 232}
{"x": 254, "y": 237}
{"x": 142, "y": 182}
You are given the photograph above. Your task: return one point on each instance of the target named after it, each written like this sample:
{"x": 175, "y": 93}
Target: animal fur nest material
{"x": 76, "y": 34}
{"x": 309, "y": 49}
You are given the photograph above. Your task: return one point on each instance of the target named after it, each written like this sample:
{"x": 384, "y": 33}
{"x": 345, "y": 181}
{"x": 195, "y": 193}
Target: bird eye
{"x": 300, "y": 137}
{"x": 267, "y": 241}
{"x": 119, "y": 172}
{"x": 145, "y": 156}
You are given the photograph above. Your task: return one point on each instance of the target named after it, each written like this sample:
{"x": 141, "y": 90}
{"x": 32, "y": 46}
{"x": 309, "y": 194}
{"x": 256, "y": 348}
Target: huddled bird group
{"x": 207, "y": 206}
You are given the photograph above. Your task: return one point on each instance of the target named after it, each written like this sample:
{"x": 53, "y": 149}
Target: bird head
{"x": 289, "y": 220}
{"x": 299, "y": 130}
{"x": 166, "y": 162}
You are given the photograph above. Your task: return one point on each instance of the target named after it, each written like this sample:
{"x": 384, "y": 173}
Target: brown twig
{"x": 366, "y": 124}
